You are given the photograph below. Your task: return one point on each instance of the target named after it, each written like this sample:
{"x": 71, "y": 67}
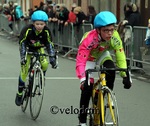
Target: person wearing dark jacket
{"x": 71, "y": 16}
{"x": 132, "y": 18}
{"x": 80, "y": 16}
{"x": 132, "y": 14}
{"x": 91, "y": 14}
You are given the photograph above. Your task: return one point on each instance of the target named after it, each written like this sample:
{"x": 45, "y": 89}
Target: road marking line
{"x": 54, "y": 78}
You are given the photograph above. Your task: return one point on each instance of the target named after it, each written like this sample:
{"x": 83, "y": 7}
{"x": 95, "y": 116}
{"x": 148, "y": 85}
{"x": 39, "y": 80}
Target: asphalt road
{"x": 61, "y": 99}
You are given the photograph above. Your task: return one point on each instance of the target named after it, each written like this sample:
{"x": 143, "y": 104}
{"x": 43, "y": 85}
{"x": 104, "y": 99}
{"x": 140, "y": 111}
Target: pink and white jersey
{"x": 92, "y": 47}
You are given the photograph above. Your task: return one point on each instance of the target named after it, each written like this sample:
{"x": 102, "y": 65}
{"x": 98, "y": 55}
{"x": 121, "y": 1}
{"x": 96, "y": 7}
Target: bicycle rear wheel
{"x": 25, "y": 97}
{"x": 110, "y": 113}
{"x": 37, "y": 93}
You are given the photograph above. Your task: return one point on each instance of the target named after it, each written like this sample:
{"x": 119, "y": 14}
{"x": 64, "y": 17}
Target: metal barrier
{"x": 128, "y": 44}
{"x": 17, "y": 25}
{"x": 69, "y": 37}
{"x": 138, "y": 42}
{"x": 4, "y": 23}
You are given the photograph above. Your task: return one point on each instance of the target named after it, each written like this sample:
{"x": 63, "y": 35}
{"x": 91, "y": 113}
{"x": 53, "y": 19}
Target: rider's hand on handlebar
{"x": 84, "y": 85}
{"x": 126, "y": 82}
{"x": 53, "y": 62}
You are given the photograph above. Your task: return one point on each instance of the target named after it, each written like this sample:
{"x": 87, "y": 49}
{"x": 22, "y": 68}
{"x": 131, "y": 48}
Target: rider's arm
{"x": 82, "y": 56}
{"x": 116, "y": 43}
{"x": 49, "y": 43}
{"x": 23, "y": 40}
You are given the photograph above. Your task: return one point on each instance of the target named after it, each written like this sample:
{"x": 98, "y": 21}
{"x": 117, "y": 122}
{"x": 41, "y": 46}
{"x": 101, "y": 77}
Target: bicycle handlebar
{"x": 106, "y": 69}
{"x": 37, "y": 54}
{"x": 98, "y": 69}
{"x": 40, "y": 54}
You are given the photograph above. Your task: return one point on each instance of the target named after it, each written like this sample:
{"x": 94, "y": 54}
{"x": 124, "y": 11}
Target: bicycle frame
{"x": 35, "y": 88}
{"x": 100, "y": 86}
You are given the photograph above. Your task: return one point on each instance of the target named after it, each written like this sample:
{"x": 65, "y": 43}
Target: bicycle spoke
{"x": 111, "y": 109}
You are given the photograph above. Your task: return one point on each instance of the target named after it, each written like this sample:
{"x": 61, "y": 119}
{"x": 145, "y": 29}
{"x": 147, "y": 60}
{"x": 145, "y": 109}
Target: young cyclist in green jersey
{"x": 35, "y": 37}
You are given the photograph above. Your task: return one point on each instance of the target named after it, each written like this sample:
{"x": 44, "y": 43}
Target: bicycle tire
{"x": 110, "y": 114}
{"x": 37, "y": 92}
{"x": 90, "y": 113}
{"x": 25, "y": 97}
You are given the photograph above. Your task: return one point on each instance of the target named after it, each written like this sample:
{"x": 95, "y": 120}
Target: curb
{"x": 141, "y": 75}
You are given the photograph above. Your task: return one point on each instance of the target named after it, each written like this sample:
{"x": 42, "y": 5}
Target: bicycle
{"x": 34, "y": 86}
{"x": 103, "y": 109}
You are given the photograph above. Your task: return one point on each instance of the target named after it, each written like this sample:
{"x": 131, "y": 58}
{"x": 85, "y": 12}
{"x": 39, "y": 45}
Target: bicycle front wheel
{"x": 90, "y": 113}
{"x": 109, "y": 105}
{"x": 37, "y": 93}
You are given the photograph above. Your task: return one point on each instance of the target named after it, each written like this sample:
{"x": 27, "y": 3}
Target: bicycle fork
{"x": 109, "y": 101}
{"x": 99, "y": 113}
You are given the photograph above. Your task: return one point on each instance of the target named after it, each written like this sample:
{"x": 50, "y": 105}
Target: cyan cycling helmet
{"x": 104, "y": 18}
{"x": 39, "y": 15}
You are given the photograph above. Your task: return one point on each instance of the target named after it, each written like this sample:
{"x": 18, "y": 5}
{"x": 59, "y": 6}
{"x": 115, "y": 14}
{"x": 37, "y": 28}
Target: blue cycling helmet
{"x": 39, "y": 15}
{"x": 104, "y": 18}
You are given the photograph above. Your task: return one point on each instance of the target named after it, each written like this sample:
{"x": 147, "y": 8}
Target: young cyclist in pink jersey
{"x": 95, "y": 46}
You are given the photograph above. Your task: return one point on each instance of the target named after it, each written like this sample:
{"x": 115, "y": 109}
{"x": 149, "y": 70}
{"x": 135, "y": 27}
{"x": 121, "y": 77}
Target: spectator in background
{"x": 55, "y": 13}
{"x": 127, "y": 11}
{"x": 80, "y": 17}
{"x": 11, "y": 5}
{"x": 147, "y": 38}
{"x": 132, "y": 18}
{"x": 63, "y": 15}
{"x": 49, "y": 1}
{"x": 91, "y": 14}
{"x": 57, "y": 7}
{"x": 17, "y": 12}
{"x": 71, "y": 16}
{"x": 9, "y": 16}
{"x": 50, "y": 13}
{"x": 41, "y": 6}
{"x": 30, "y": 12}
{"x": 62, "y": 18}
{"x": 28, "y": 15}
{"x": 1, "y": 8}
{"x": 132, "y": 14}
